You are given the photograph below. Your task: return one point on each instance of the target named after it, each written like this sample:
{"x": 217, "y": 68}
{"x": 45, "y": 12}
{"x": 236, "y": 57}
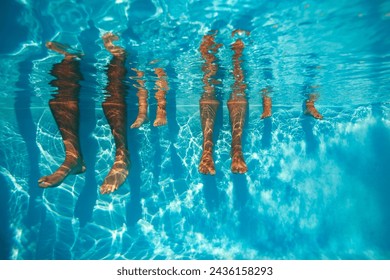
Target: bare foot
{"x": 138, "y": 122}
{"x": 161, "y": 118}
{"x": 66, "y": 50}
{"x": 206, "y": 165}
{"x": 162, "y": 88}
{"x": 108, "y": 39}
{"x": 238, "y": 163}
{"x": 61, "y": 173}
{"x": 116, "y": 177}
{"x": 142, "y": 99}
{"x": 312, "y": 111}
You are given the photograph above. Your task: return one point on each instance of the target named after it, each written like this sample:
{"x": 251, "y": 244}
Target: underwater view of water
{"x": 314, "y": 189}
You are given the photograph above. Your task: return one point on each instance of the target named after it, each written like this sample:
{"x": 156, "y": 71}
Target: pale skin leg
{"x": 310, "y": 109}
{"x": 114, "y": 108}
{"x": 162, "y": 88}
{"x": 208, "y": 103}
{"x": 142, "y": 100}
{"x": 237, "y": 105}
{"x": 65, "y": 109}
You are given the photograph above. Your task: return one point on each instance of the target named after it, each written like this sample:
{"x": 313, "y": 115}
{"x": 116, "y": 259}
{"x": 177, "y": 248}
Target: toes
{"x": 239, "y": 165}
{"x": 206, "y": 165}
{"x": 159, "y": 122}
{"x": 239, "y": 169}
{"x": 264, "y": 116}
{"x": 106, "y": 189}
{"x": 204, "y": 169}
{"x": 47, "y": 182}
{"x": 43, "y": 183}
{"x": 78, "y": 169}
{"x": 135, "y": 125}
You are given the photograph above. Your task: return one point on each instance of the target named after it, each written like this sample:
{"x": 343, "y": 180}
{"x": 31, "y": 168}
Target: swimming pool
{"x": 315, "y": 189}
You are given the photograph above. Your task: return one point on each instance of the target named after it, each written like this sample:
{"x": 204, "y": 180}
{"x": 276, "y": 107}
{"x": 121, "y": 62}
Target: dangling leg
{"x": 237, "y": 105}
{"x": 142, "y": 100}
{"x": 66, "y": 115}
{"x": 115, "y": 113}
{"x": 237, "y": 112}
{"x": 208, "y": 102}
{"x": 310, "y": 109}
{"x": 208, "y": 110}
{"x": 267, "y": 105}
{"x": 65, "y": 109}
{"x": 162, "y": 88}
{"x": 114, "y": 108}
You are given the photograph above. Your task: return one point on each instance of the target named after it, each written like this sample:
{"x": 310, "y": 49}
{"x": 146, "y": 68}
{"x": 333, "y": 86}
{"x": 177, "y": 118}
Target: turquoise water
{"x": 313, "y": 190}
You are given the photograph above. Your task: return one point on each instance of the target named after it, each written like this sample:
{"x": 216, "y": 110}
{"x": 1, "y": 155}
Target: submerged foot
{"x": 161, "y": 118}
{"x": 238, "y": 163}
{"x": 265, "y": 115}
{"x": 138, "y": 122}
{"x": 160, "y": 122}
{"x": 108, "y": 39}
{"x": 267, "y": 104}
{"x": 206, "y": 165}
{"x": 312, "y": 111}
{"x": 67, "y": 168}
{"x": 63, "y": 49}
{"x": 116, "y": 177}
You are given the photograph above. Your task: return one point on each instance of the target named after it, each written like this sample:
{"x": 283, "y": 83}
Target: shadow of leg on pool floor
{"x": 241, "y": 196}
{"x": 266, "y": 138}
{"x": 312, "y": 143}
{"x": 179, "y": 171}
{"x": 87, "y": 198}
{"x": 5, "y": 233}
{"x": 133, "y": 207}
{"x": 28, "y": 131}
{"x": 376, "y": 175}
{"x": 135, "y": 137}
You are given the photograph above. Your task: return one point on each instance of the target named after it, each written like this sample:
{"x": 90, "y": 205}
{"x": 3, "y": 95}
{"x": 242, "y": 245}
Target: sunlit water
{"x": 314, "y": 189}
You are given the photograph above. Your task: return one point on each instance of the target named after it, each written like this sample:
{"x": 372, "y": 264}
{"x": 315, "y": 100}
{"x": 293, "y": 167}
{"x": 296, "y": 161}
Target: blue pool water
{"x": 314, "y": 189}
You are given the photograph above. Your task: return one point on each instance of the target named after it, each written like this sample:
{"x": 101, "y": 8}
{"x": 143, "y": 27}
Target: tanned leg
{"x": 114, "y": 108}
{"x": 208, "y": 103}
{"x": 237, "y": 106}
{"x": 208, "y": 110}
{"x": 310, "y": 109}
{"x": 142, "y": 100}
{"x": 65, "y": 109}
{"x": 162, "y": 88}
{"x": 267, "y": 105}
{"x": 237, "y": 112}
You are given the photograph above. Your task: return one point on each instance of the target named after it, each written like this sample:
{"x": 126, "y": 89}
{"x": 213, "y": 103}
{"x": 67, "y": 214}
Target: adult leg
{"x": 237, "y": 105}
{"x": 208, "y": 103}
{"x": 114, "y": 108}
{"x": 65, "y": 109}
